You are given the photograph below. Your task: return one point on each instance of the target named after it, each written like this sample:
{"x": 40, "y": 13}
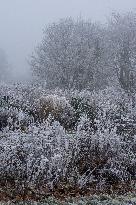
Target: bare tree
{"x": 70, "y": 55}
{"x": 122, "y": 45}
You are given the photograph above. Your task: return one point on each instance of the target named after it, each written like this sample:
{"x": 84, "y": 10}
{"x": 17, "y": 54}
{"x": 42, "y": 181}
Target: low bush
{"x": 60, "y": 145}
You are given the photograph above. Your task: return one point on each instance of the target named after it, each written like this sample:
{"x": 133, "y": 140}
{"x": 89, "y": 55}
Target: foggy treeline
{"x": 82, "y": 54}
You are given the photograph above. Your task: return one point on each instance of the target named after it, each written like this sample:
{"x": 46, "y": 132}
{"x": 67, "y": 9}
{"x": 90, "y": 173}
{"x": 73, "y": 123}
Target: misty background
{"x": 22, "y": 23}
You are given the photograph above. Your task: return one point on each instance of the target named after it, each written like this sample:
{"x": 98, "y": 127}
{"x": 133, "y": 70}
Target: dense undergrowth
{"x": 88, "y": 200}
{"x": 66, "y": 143}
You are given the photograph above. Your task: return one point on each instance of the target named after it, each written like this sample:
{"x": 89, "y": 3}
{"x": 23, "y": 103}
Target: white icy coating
{"x": 49, "y": 152}
{"x": 83, "y": 130}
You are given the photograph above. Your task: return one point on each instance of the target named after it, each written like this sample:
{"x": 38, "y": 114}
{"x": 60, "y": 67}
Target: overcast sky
{"x": 22, "y": 21}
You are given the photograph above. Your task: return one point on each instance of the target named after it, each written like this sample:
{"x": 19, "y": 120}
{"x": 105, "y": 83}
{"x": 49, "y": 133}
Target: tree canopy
{"x": 82, "y": 54}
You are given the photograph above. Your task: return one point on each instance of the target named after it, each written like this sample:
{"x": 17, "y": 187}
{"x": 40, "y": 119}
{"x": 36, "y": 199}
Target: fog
{"x": 22, "y": 22}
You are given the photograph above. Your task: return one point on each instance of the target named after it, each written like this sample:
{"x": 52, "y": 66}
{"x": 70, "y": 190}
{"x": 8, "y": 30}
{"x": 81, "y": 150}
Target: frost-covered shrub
{"x": 102, "y": 155}
{"x": 57, "y": 106}
{"x": 13, "y": 118}
{"x": 82, "y": 107}
{"x": 64, "y": 141}
{"x": 34, "y": 159}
